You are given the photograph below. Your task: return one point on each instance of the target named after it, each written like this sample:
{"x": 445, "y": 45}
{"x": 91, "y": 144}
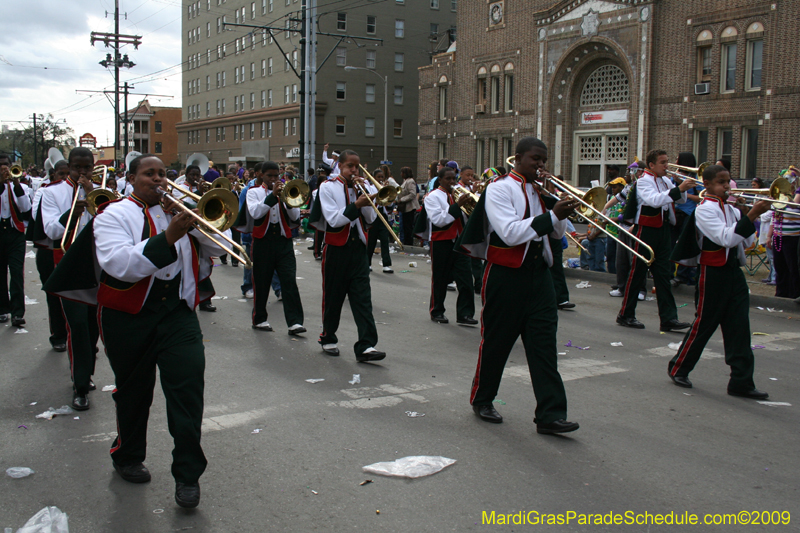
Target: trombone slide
{"x": 364, "y": 191}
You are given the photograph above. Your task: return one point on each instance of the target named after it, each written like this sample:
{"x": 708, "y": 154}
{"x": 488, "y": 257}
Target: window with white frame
{"x": 370, "y": 92}
{"x": 453, "y": 5}
{"x": 269, "y": 97}
{"x": 369, "y": 127}
{"x": 341, "y": 90}
{"x": 269, "y": 128}
{"x": 724, "y": 143}
{"x": 235, "y": 104}
{"x": 495, "y": 85}
{"x": 700, "y": 144}
{"x": 399, "y": 60}
{"x": 263, "y": 129}
{"x": 728, "y": 66}
{"x": 508, "y": 89}
{"x": 208, "y": 29}
{"x": 434, "y": 4}
{"x": 223, "y": 112}
{"x": 371, "y": 24}
{"x": 443, "y": 101}
{"x": 294, "y": 92}
{"x": 263, "y": 67}
{"x": 253, "y": 11}
{"x": 398, "y": 95}
{"x": 371, "y": 55}
{"x": 252, "y": 130}
{"x": 286, "y": 127}
{"x": 441, "y": 150}
{"x": 263, "y": 10}
{"x": 340, "y": 125}
{"x": 341, "y": 21}
{"x": 749, "y": 153}
{"x": 208, "y": 109}
{"x": 755, "y": 56}
{"x": 341, "y": 57}
{"x": 294, "y": 126}
{"x": 399, "y": 28}
{"x": 269, "y": 66}
{"x": 263, "y": 98}
{"x": 295, "y": 59}
{"x": 492, "y": 153}
{"x": 252, "y": 100}
{"x": 285, "y": 94}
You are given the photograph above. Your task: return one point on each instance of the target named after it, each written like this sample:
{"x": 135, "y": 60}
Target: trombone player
{"x": 272, "y": 249}
{"x": 15, "y": 209}
{"x": 651, "y": 207}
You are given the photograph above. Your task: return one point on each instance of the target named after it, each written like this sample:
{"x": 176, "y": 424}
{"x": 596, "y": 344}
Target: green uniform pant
{"x": 345, "y": 273}
{"x": 557, "y": 272}
{"x": 379, "y": 231}
{"x": 722, "y": 301}
{"x": 12, "y": 261}
{"x": 660, "y": 240}
{"x": 520, "y": 302}
{"x": 45, "y": 264}
{"x": 82, "y": 335}
{"x": 275, "y": 254}
{"x": 448, "y": 265}
{"x": 169, "y": 338}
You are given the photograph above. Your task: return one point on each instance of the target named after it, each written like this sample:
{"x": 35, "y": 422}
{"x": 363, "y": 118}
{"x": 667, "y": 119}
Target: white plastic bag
{"x": 48, "y": 520}
{"x": 413, "y": 466}
{"x": 51, "y": 412}
{"x": 19, "y": 471}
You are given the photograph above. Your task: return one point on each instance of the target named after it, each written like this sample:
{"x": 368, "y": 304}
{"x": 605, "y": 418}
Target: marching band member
{"x": 379, "y": 231}
{"x": 716, "y": 241}
{"x": 466, "y": 180}
{"x": 323, "y": 174}
{"x": 82, "y": 329}
{"x": 344, "y": 215}
{"x": 150, "y": 285}
{"x": 445, "y": 222}
{"x": 652, "y": 211}
{"x": 518, "y": 295}
{"x": 332, "y": 161}
{"x": 15, "y": 208}
{"x": 45, "y": 256}
{"x": 273, "y": 250}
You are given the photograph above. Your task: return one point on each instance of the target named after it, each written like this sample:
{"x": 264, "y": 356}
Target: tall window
{"x": 341, "y": 21}
{"x": 263, "y": 67}
{"x": 728, "y": 67}
{"x": 724, "y": 143}
{"x": 755, "y": 52}
{"x": 398, "y": 95}
{"x": 263, "y": 98}
{"x": 399, "y": 59}
{"x": 252, "y": 100}
{"x": 269, "y": 97}
{"x": 295, "y": 60}
{"x": 495, "y": 84}
{"x": 341, "y": 57}
{"x": 269, "y": 128}
{"x": 285, "y": 94}
{"x": 252, "y": 71}
{"x": 371, "y": 24}
{"x": 399, "y": 28}
{"x": 492, "y": 152}
{"x": 509, "y": 92}
{"x": 252, "y": 130}
{"x": 235, "y": 104}
{"x": 269, "y": 66}
{"x": 398, "y": 128}
{"x": 703, "y": 64}
{"x": 369, "y": 127}
{"x": 208, "y": 109}
{"x": 286, "y": 127}
{"x": 434, "y": 4}
{"x": 341, "y": 90}
{"x": 294, "y": 92}
{"x": 340, "y": 123}
{"x": 371, "y": 54}
{"x": 370, "y": 93}
{"x": 453, "y": 5}
{"x": 700, "y": 145}
{"x": 442, "y": 102}
{"x": 441, "y": 150}
{"x": 749, "y": 152}
{"x": 294, "y": 126}
{"x": 479, "y": 155}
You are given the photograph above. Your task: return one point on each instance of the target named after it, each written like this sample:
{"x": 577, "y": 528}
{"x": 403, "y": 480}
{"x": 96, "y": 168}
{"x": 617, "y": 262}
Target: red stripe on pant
{"x": 324, "y": 260}
{"x": 102, "y": 337}
{"x": 69, "y": 341}
{"x": 629, "y": 284}
{"x": 701, "y": 290}
{"x": 476, "y": 380}
{"x": 430, "y": 311}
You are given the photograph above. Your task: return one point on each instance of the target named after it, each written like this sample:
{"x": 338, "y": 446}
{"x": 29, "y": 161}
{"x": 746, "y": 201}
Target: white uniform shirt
{"x": 23, "y": 202}
{"x": 57, "y": 200}
{"x": 331, "y": 163}
{"x": 438, "y": 211}
{"x": 333, "y": 203}
{"x": 654, "y": 192}
{"x": 717, "y": 222}
{"x": 257, "y": 208}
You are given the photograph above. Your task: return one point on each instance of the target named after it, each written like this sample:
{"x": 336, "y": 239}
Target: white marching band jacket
{"x": 337, "y": 215}
{"x": 263, "y": 204}
{"x": 15, "y": 207}
{"x": 720, "y": 228}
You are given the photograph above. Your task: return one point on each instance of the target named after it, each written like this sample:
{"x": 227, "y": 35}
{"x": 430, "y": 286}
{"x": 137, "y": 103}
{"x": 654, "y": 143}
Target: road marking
{"x": 217, "y": 423}
{"x": 99, "y": 437}
{"x": 666, "y": 351}
{"x": 570, "y": 369}
{"x": 386, "y": 395}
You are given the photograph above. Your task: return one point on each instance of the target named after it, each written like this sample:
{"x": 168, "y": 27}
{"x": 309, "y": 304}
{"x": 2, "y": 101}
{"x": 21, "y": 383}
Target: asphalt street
{"x": 644, "y": 446}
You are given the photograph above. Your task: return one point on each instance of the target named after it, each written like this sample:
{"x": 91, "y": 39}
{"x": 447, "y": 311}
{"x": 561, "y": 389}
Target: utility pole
{"x": 35, "y": 151}
{"x": 125, "y": 150}
{"x": 115, "y": 40}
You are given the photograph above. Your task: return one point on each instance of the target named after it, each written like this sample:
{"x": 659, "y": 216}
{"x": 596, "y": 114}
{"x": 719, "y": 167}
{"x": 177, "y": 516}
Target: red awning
{"x": 106, "y": 162}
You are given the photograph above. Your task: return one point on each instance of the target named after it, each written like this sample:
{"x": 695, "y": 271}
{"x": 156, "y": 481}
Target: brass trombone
{"x": 221, "y": 183}
{"x": 295, "y": 192}
{"x": 100, "y": 196}
{"x": 16, "y": 172}
{"x": 386, "y": 193}
{"x": 778, "y": 194}
{"x": 691, "y": 170}
{"x": 218, "y": 212}
{"x": 99, "y": 175}
{"x": 468, "y": 207}
{"x": 389, "y": 190}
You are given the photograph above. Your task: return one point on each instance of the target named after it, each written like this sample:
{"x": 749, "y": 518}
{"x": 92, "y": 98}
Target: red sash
{"x": 451, "y": 231}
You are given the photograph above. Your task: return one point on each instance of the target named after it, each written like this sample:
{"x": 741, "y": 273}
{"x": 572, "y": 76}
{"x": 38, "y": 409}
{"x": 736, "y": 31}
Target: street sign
{"x": 386, "y": 163}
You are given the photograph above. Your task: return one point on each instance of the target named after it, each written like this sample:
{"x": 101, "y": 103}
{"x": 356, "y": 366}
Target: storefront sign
{"x": 603, "y": 117}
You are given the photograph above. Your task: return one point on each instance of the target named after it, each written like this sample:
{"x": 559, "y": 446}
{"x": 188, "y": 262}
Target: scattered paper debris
{"x": 414, "y": 414}
{"x": 256, "y": 431}
{"x": 219, "y": 297}
{"x": 33, "y": 403}
{"x": 570, "y": 345}
{"x": 108, "y": 388}
{"x": 366, "y": 482}
{"x": 242, "y": 300}
{"x": 411, "y": 467}
{"x": 51, "y": 412}
{"x": 498, "y": 402}
{"x": 31, "y": 255}
{"x": 314, "y": 380}
{"x": 650, "y": 298}
{"x": 30, "y": 301}
{"x": 687, "y": 394}
{"x": 49, "y": 520}
{"x": 773, "y": 379}
{"x": 158, "y": 511}
{"x": 76, "y": 418}
{"x": 18, "y": 472}
{"x": 298, "y": 252}
{"x": 616, "y": 344}
{"x": 300, "y": 278}
{"x": 759, "y": 333}
{"x": 413, "y": 264}
{"x": 776, "y": 404}
{"x": 674, "y": 345}
{"x": 20, "y": 331}
{"x": 314, "y": 492}
{"x": 356, "y": 379}
{"x": 562, "y": 353}
{"x": 583, "y": 285}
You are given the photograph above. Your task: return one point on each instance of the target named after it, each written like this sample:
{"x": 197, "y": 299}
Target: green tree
{"x": 50, "y": 133}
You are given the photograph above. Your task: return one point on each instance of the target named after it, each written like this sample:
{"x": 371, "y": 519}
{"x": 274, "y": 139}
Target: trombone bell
{"x": 16, "y": 172}
{"x": 295, "y": 193}
{"x": 219, "y": 208}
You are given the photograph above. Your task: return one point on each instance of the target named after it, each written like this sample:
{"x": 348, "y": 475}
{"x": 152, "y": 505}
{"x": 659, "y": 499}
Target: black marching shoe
{"x": 441, "y": 319}
{"x": 681, "y": 381}
{"x": 487, "y": 413}
{"x": 187, "y": 495}
{"x": 566, "y": 305}
{"x": 3, "y": 318}
{"x": 135, "y": 473}
{"x": 80, "y": 402}
{"x": 629, "y": 322}
{"x": 753, "y": 394}
{"x": 17, "y": 321}
{"x": 60, "y": 347}
{"x": 207, "y": 307}
{"x": 674, "y": 325}
{"x": 224, "y": 260}
{"x": 559, "y": 426}
{"x": 330, "y": 349}
{"x": 370, "y": 354}
{"x": 467, "y": 320}
{"x": 92, "y": 386}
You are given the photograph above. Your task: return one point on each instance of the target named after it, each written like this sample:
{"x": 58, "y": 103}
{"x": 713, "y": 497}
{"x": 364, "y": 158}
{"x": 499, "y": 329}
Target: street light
{"x": 385, "y": 106}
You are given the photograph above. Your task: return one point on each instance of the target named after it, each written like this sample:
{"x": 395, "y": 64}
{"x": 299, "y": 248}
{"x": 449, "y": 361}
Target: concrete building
{"x": 604, "y": 81}
{"x": 241, "y": 97}
{"x": 153, "y": 129}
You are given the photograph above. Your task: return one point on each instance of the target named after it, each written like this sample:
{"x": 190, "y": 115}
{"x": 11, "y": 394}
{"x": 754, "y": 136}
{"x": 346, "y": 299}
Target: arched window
{"x": 483, "y": 90}
{"x": 704, "y": 42}
{"x": 755, "y": 53}
{"x": 442, "y": 97}
{"x": 606, "y": 85}
{"x": 508, "y": 87}
{"x": 728, "y": 59}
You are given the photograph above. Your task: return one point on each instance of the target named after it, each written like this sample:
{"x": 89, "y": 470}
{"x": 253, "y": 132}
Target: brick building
{"x": 602, "y": 81}
{"x": 241, "y": 98}
{"x": 152, "y": 129}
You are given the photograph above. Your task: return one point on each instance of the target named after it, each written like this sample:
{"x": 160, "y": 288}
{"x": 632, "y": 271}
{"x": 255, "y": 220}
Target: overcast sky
{"x": 55, "y": 34}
